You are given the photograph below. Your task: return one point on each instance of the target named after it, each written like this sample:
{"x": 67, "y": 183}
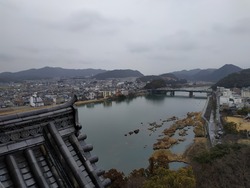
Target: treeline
{"x": 239, "y": 80}
{"x": 162, "y": 177}
{"x": 225, "y": 165}
{"x": 161, "y": 83}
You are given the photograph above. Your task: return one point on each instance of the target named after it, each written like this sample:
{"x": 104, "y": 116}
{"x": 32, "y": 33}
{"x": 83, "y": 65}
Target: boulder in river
{"x": 136, "y": 131}
{"x": 130, "y": 132}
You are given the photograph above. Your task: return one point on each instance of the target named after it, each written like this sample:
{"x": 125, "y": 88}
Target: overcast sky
{"x": 152, "y": 36}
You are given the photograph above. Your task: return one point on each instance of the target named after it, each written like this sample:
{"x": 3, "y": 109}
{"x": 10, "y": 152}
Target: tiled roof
{"x": 43, "y": 148}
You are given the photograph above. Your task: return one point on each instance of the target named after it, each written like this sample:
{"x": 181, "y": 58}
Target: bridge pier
{"x": 191, "y": 94}
{"x": 172, "y": 93}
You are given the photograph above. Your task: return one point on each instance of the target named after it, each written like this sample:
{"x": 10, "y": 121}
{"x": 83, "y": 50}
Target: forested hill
{"x": 162, "y": 80}
{"x": 47, "y": 73}
{"x": 118, "y": 74}
{"x": 150, "y": 78}
{"x": 240, "y": 79}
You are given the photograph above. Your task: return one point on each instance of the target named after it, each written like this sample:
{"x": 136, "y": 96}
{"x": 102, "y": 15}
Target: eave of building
{"x": 44, "y": 148}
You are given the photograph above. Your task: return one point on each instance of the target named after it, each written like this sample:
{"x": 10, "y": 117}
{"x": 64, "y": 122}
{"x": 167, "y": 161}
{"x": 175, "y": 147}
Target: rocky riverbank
{"x": 169, "y": 156}
{"x": 163, "y": 144}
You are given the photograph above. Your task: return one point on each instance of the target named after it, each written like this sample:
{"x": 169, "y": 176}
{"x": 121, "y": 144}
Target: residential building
{"x": 245, "y": 92}
{"x": 36, "y": 101}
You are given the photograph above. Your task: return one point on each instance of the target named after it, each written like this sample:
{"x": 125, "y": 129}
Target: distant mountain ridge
{"x": 48, "y": 73}
{"x": 124, "y": 73}
{"x": 209, "y": 75}
{"x": 56, "y": 72}
{"x": 224, "y": 71}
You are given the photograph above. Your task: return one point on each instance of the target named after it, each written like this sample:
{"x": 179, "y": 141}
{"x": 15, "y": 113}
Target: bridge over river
{"x": 171, "y": 91}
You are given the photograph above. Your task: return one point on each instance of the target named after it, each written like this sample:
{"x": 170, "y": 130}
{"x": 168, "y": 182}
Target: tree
{"x": 244, "y": 111}
{"x": 117, "y": 178}
{"x": 230, "y": 128}
{"x": 229, "y": 166}
{"x": 156, "y": 84}
{"x": 165, "y": 178}
{"x": 159, "y": 161}
{"x": 136, "y": 178}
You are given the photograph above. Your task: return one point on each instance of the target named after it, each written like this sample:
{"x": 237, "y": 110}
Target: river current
{"x": 107, "y": 126}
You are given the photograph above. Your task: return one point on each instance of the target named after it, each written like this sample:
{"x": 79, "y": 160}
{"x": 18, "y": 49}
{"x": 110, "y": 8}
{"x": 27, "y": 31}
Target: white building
{"x": 107, "y": 94}
{"x": 229, "y": 99}
{"x": 91, "y": 95}
{"x": 53, "y": 97}
{"x": 245, "y": 93}
{"x": 125, "y": 92}
{"x": 36, "y": 101}
{"x": 227, "y": 93}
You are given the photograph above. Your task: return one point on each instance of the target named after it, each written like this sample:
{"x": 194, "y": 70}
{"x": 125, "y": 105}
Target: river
{"x": 106, "y": 125}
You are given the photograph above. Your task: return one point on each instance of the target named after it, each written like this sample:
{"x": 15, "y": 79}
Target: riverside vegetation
{"x": 158, "y": 162}
{"x": 225, "y": 165}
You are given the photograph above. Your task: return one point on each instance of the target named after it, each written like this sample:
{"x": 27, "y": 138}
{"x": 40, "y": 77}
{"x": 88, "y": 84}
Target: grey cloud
{"x": 8, "y": 5}
{"x": 241, "y": 27}
{"x": 168, "y": 58}
{"x": 123, "y": 34}
{"x": 38, "y": 56}
{"x": 84, "y": 20}
{"x": 89, "y": 21}
{"x": 48, "y": 50}
{"x": 139, "y": 48}
{"x": 13, "y": 61}
{"x": 180, "y": 45}
{"x": 178, "y": 42}
{"x": 7, "y": 58}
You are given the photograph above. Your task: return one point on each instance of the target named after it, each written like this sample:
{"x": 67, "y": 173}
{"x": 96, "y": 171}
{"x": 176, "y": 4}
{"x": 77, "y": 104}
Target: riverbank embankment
{"x": 80, "y": 103}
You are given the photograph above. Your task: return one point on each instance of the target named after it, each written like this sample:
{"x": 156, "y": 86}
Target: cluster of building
{"x": 49, "y": 92}
{"x": 234, "y": 98}
{"x": 56, "y": 91}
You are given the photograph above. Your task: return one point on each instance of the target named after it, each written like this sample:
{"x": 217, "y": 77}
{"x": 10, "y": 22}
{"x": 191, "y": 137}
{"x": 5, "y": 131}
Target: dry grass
{"x": 244, "y": 141}
{"x": 242, "y": 124}
{"x": 171, "y": 157}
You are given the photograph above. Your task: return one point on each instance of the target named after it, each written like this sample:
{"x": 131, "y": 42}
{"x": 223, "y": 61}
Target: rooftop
{"x": 44, "y": 148}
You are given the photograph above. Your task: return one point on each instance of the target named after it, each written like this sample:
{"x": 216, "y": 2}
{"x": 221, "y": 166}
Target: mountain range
{"x": 118, "y": 74}
{"x": 48, "y": 73}
{"x": 210, "y": 75}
